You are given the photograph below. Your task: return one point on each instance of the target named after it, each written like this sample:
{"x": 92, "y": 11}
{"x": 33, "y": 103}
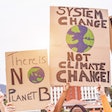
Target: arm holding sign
{"x": 61, "y": 100}
{"x": 5, "y": 108}
{"x": 104, "y": 100}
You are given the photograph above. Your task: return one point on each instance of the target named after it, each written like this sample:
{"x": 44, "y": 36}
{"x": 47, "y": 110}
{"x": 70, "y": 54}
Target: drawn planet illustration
{"x": 80, "y": 38}
{"x": 36, "y": 74}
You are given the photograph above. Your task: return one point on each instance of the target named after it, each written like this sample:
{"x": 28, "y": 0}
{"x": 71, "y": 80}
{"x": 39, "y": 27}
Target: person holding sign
{"x": 75, "y": 108}
{"x": 5, "y": 108}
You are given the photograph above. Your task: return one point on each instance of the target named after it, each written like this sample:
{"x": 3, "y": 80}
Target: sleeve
{"x": 105, "y": 103}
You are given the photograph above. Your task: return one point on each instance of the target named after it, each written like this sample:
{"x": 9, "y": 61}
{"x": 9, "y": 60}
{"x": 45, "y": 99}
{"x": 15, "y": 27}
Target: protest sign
{"x": 110, "y": 32}
{"x": 79, "y": 46}
{"x": 27, "y": 77}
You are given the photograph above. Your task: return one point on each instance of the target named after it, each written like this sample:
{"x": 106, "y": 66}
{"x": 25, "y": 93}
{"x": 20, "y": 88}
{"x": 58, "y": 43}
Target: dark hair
{"x": 80, "y": 106}
{"x": 43, "y": 110}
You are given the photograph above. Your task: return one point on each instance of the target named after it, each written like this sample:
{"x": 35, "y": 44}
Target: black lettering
{"x": 18, "y": 77}
{"x": 58, "y": 76}
{"x": 11, "y": 91}
{"x": 62, "y": 11}
{"x": 62, "y": 20}
{"x": 70, "y": 76}
{"x": 83, "y": 75}
{"x": 43, "y": 91}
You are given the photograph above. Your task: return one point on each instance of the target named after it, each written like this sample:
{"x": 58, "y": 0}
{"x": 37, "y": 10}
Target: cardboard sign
{"x": 110, "y": 18}
{"x": 28, "y": 79}
{"x": 79, "y": 46}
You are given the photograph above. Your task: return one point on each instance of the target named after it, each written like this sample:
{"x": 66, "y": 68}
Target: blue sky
{"x": 24, "y": 24}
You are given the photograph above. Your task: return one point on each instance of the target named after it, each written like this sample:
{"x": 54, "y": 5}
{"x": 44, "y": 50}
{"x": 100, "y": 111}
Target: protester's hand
{"x": 66, "y": 87}
{"x": 100, "y": 89}
{"x": 50, "y": 107}
{"x": 1, "y": 97}
{"x": 10, "y": 107}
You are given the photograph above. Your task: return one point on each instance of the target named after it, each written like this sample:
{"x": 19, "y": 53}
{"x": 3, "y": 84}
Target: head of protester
{"x": 78, "y": 108}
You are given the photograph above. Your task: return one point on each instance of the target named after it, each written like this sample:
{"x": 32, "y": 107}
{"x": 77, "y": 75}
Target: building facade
{"x": 89, "y": 94}
{"x": 75, "y": 92}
